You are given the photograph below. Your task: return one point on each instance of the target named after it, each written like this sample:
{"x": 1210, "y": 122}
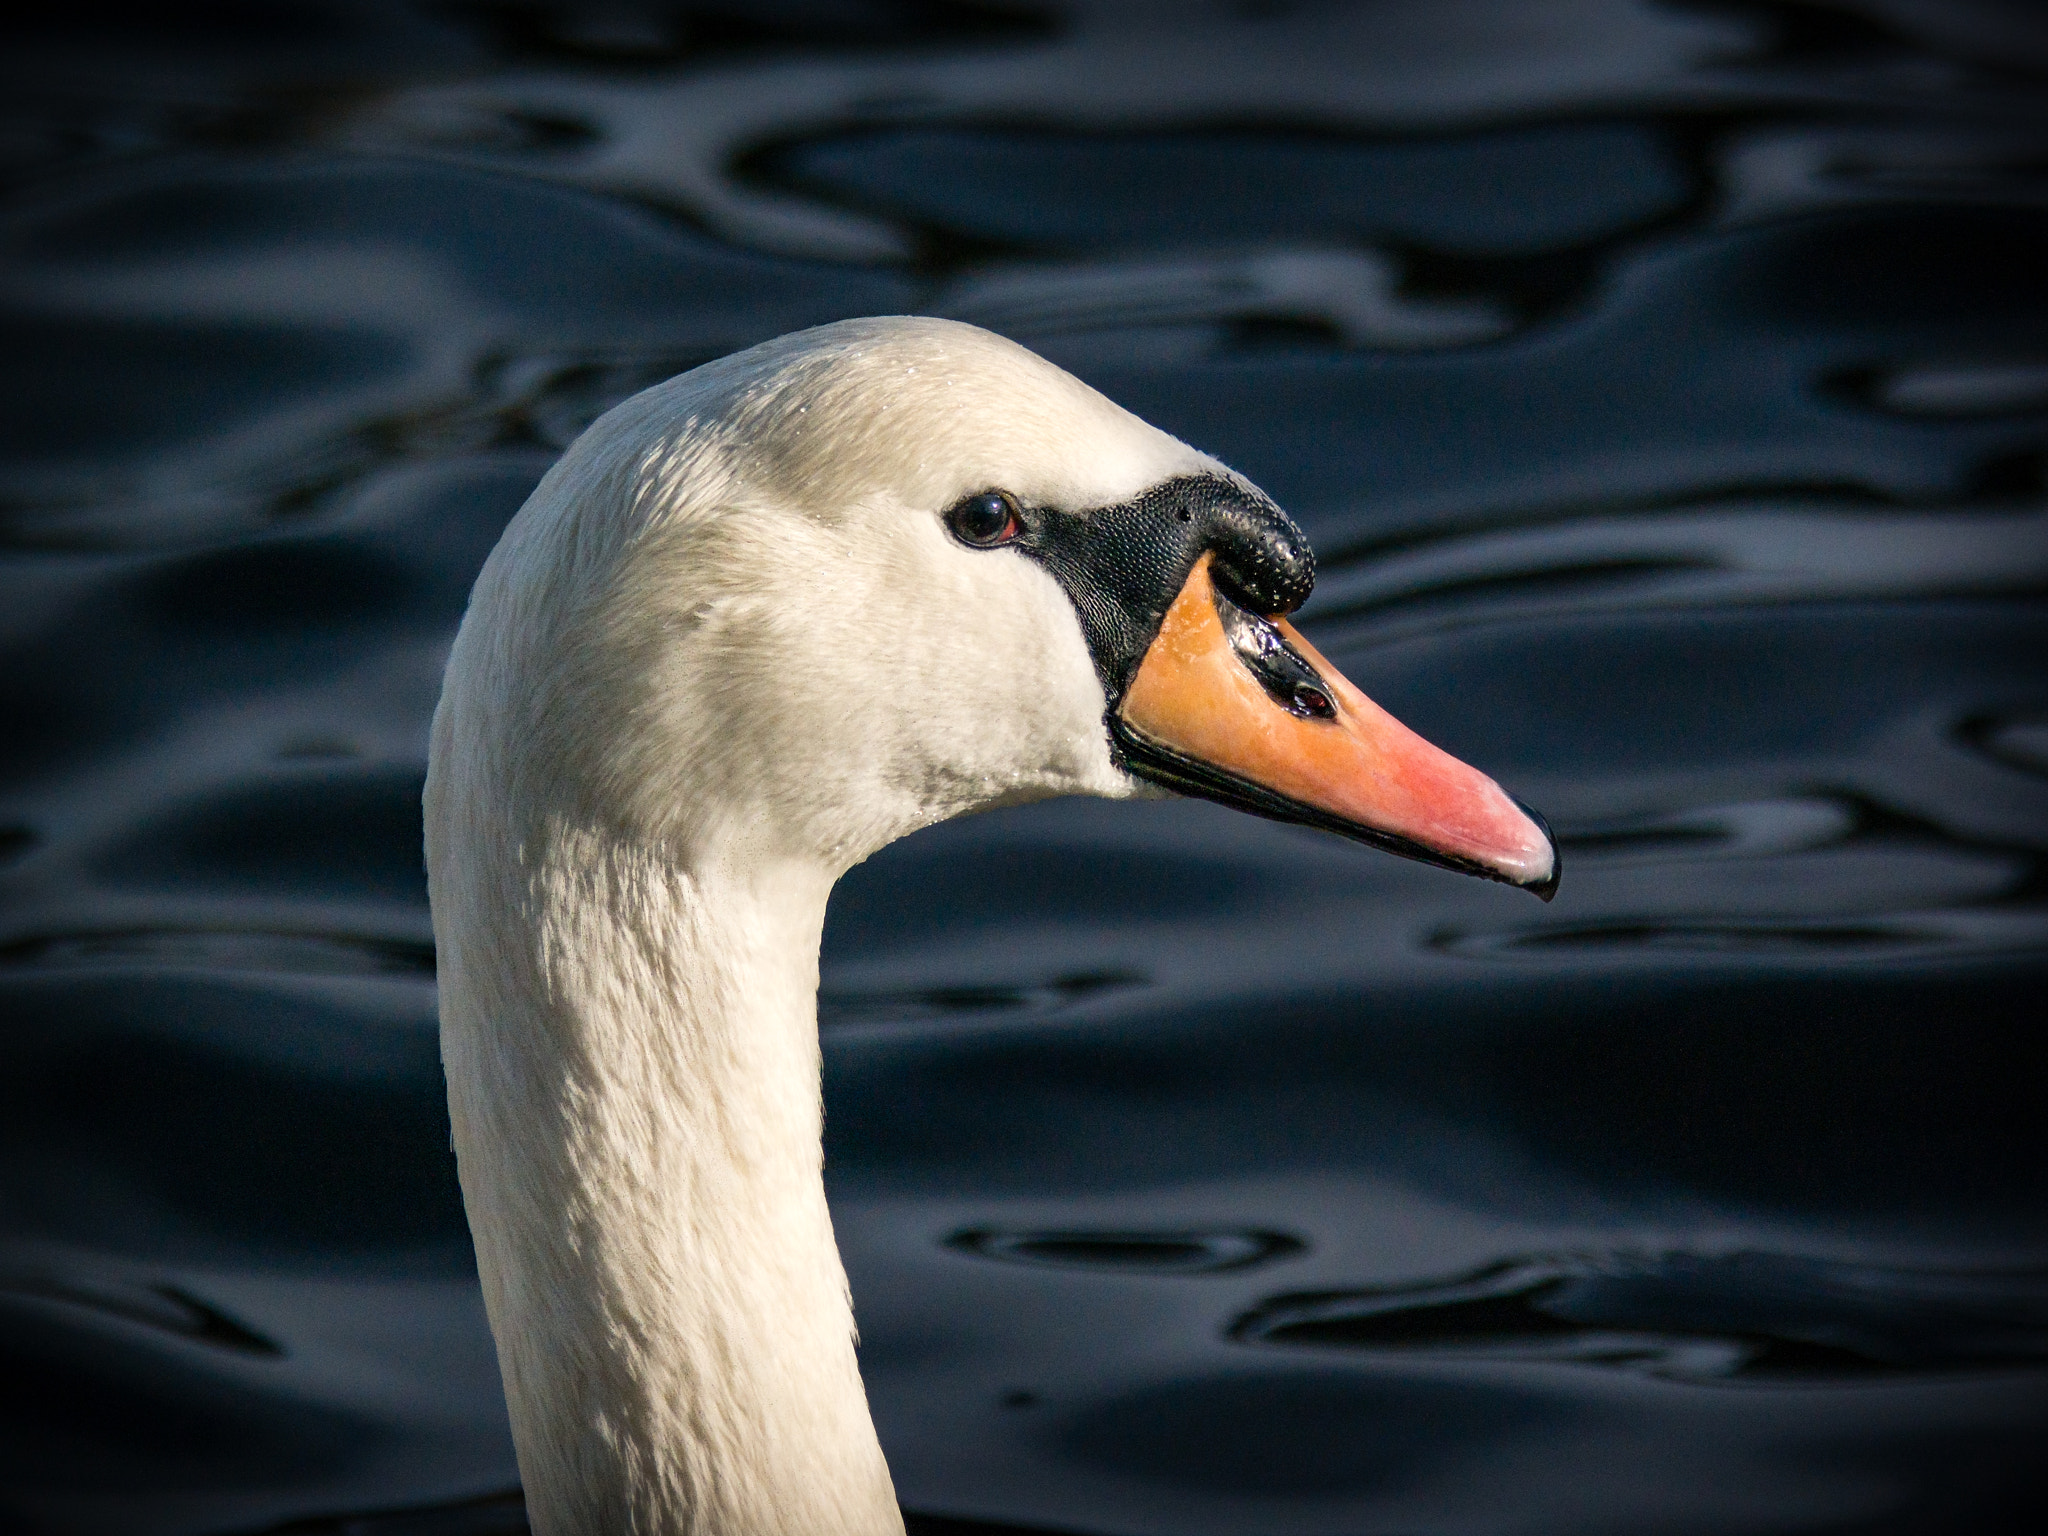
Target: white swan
{"x": 758, "y": 622}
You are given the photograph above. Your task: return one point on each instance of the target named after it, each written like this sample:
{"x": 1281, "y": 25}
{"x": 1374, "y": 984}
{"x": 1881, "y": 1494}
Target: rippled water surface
{"x": 1665, "y": 389}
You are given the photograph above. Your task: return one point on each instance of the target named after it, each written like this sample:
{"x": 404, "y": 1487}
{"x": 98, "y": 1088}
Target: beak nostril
{"x": 1282, "y": 671}
{"x": 1311, "y": 700}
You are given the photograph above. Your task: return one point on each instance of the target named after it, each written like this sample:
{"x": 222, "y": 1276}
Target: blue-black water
{"x": 1665, "y": 389}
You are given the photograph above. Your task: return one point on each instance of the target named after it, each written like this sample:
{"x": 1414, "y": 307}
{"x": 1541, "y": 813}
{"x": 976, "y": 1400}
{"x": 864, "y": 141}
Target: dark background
{"x": 1665, "y": 390}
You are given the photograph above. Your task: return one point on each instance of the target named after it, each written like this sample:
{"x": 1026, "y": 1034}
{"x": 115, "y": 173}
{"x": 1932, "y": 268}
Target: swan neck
{"x": 638, "y": 1126}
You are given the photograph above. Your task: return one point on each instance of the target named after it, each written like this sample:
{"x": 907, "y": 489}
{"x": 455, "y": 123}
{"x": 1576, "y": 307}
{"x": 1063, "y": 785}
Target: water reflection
{"x": 838, "y": 1008}
{"x": 1151, "y": 1253}
{"x": 1662, "y": 388}
{"x": 1759, "y": 1318}
{"x": 165, "y": 1307}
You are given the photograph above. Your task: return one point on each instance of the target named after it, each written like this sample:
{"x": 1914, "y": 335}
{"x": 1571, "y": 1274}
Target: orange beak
{"x": 1239, "y": 708}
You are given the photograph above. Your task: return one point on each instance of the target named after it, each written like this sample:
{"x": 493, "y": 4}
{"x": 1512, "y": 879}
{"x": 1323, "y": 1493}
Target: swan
{"x": 756, "y": 623}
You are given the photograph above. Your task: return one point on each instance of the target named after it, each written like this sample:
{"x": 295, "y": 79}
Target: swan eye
{"x": 985, "y": 520}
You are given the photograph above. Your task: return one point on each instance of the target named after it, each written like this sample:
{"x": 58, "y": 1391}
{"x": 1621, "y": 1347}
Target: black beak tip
{"x": 1546, "y": 887}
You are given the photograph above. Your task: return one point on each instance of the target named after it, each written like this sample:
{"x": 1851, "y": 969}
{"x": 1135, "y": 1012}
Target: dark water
{"x": 1665, "y": 389}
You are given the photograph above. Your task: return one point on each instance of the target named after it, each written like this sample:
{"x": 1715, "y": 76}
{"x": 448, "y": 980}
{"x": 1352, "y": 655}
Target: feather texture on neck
{"x": 634, "y": 1090}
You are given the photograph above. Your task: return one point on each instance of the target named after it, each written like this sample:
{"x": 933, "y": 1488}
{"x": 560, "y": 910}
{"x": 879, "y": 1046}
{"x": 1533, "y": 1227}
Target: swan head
{"x": 806, "y": 599}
